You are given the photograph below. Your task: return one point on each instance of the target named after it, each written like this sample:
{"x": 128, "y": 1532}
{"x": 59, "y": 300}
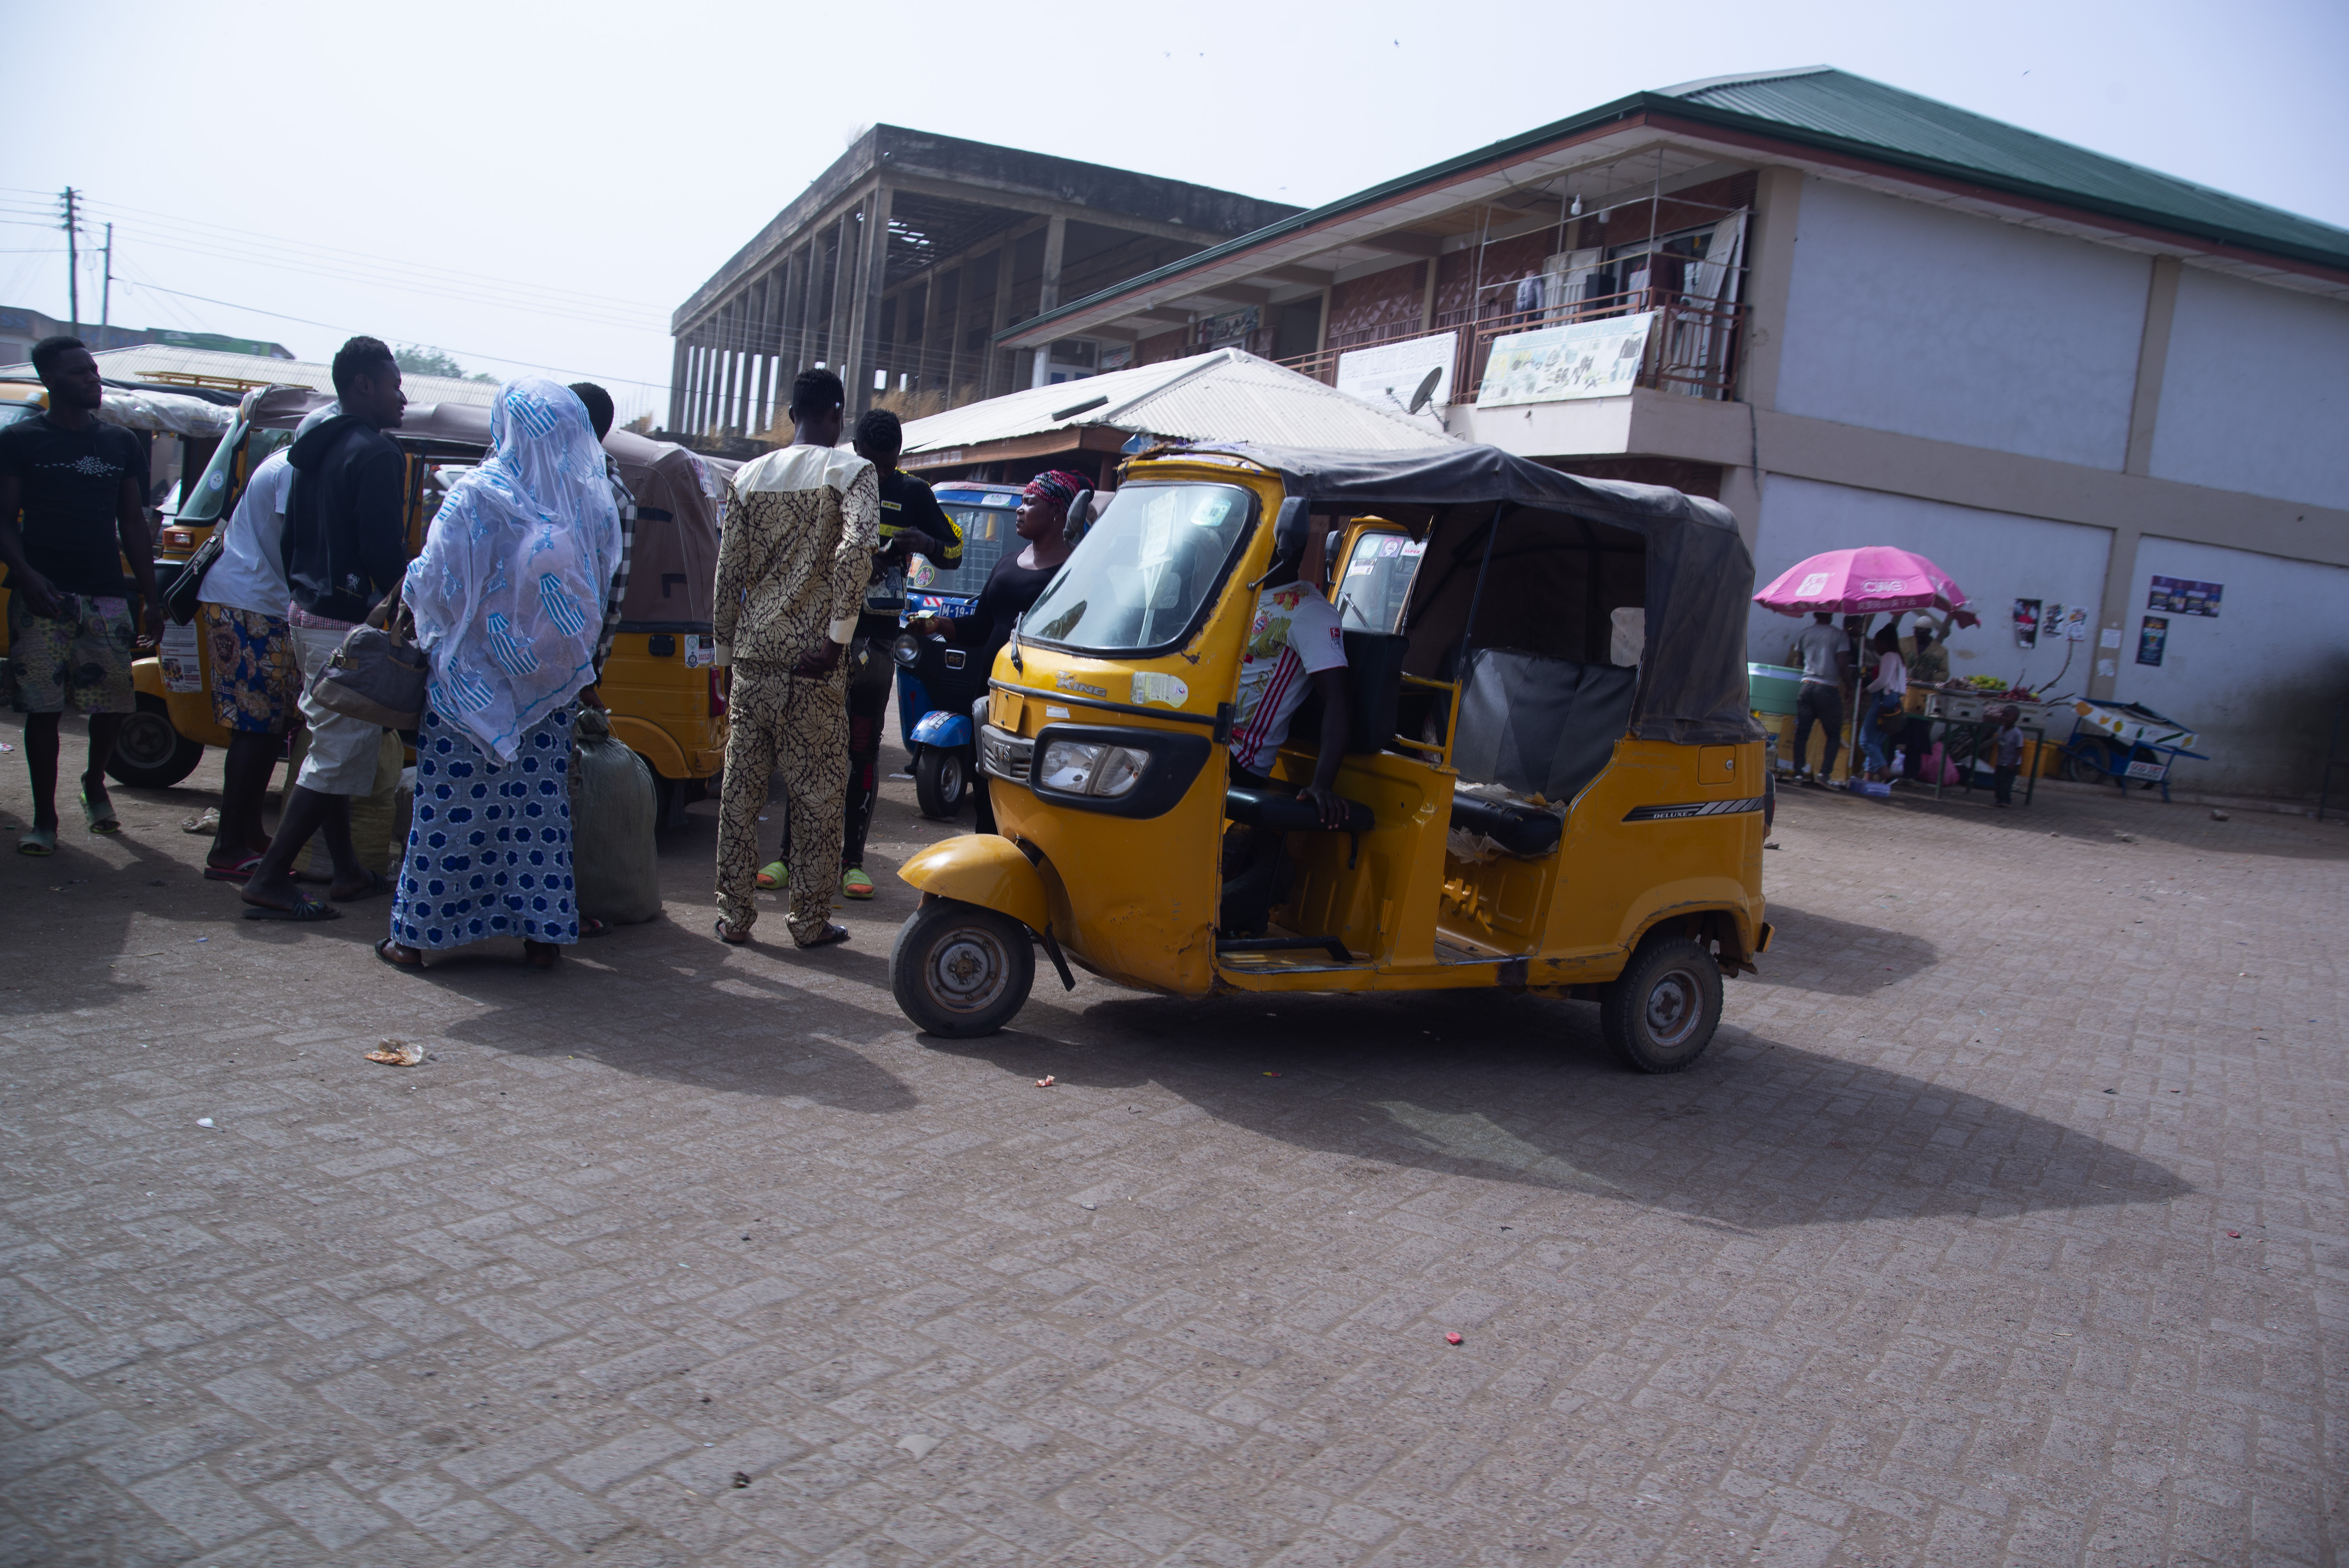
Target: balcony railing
{"x": 1693, "y": 346}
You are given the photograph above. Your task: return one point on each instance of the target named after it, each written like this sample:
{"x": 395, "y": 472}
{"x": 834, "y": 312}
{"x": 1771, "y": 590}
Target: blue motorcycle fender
{"x": 943, "y": 728}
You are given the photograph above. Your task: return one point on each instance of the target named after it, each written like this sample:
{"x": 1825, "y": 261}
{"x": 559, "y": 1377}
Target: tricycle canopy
{"x": 1462, "y": 500}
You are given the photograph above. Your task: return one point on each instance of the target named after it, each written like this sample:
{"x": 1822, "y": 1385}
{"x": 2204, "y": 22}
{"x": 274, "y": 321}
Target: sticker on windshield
{"x": 1415, "y": 547}
{"x": 1150, "y": 685}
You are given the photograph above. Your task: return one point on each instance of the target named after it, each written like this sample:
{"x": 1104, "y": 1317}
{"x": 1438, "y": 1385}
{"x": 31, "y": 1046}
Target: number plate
{"x": 2156, "y": 771}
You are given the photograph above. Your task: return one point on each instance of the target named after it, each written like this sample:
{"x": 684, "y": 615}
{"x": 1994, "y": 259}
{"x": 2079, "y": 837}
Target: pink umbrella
{"x": 1866, "y": 581}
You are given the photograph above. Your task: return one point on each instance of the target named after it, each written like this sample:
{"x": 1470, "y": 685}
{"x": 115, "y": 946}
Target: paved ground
{"x": 2004, "y": 1224}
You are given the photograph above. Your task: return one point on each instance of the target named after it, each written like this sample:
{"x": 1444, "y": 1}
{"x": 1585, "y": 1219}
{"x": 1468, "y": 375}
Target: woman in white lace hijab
{"x": 508, "y": 597}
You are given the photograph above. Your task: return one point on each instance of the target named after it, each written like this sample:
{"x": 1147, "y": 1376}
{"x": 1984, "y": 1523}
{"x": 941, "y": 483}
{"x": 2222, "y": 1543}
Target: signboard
{"x": 1554, "y": 363}
{"x": 1388, "y": 375}
{"x": 2180, "y": 597}
{"x": 1231, "y": 327}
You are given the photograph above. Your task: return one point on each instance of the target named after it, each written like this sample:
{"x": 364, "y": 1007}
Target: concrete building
{"x": 1873, "y": 318}
{"x": 979, "y": 238}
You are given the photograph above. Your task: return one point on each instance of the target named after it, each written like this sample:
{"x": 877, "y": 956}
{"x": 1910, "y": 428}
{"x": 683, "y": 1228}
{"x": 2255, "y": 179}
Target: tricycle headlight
{"x": 1070, "y": 765}
{"x": 907, "y": 650}
{"x": 1121, "y": 769}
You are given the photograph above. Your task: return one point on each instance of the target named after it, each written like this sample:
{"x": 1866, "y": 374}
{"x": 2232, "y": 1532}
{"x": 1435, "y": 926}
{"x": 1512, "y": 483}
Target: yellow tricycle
{"x": 1551, "y": 781}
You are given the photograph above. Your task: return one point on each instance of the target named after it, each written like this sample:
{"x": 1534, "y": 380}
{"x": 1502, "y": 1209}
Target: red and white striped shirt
{"x": 1295, "y": 637}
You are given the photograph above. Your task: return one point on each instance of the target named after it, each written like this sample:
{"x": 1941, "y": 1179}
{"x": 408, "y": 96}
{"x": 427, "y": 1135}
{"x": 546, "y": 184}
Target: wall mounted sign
{"x": 1388, "y": 375}
{"x": 2180, "y": 597}
{"x": 1553, "y": 364}
{"x": 2150, "y": 637}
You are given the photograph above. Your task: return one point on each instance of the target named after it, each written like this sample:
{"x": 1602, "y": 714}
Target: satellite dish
{"x": 1419, "y": 398}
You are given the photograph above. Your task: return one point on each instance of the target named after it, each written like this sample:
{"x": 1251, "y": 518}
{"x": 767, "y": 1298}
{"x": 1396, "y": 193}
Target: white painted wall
{"x": 2260, "y": 681}
{"x": 2251, "y": 393}
{"x": 1905, "y": 317}
{"x": 1996, "y": 557}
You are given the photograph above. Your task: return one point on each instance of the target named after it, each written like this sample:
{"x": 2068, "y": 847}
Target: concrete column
{"x": 2119, "y": 598}
{"x": 990, "y": 376}
{"x": 843, "y": 261}
{"x": 677, "y": 384}
{"x": 696, "y": 384}
{"x": 954, "y": 343}
{"x": 871, "y": 275}
{"x": 1056, "y": 236}
{"x": 924, "y": 375}
{"x": 731, "y": 362}
{"x": 765, "y": 350}
{"x": 1769, "y": 274}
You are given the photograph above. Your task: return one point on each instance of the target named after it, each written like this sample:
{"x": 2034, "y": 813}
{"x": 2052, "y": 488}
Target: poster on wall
{"x": 2027, "y": 623}
{"x": 1552, "y": 364}
{"x": 1230, "y": 329}
{"x": 2076, "y": 624}
{"x": 1388, "y": 375}
{"x": 2150, "y": 638}
{"x": 2181, "y": 597}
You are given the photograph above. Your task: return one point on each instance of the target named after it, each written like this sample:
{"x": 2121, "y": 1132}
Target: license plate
{"x": 2156, "y": 771}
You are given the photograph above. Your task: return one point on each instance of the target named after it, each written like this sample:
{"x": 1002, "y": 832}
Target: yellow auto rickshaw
{"x": 1553, "y": 782}
{"x": 661, "y": 682}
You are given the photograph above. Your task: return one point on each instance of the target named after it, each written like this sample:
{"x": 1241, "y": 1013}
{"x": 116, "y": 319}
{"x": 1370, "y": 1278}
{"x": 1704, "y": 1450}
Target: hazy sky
{"x": 544, "y": 184}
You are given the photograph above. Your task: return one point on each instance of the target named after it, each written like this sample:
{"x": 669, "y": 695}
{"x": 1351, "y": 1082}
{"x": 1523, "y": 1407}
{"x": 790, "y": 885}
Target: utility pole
{"x": 106, "y": 290}
{"x": 72, "y": 261}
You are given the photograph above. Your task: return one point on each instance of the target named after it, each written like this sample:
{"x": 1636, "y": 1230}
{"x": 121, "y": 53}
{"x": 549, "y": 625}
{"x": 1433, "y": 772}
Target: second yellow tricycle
{"x": 1552, "y": 782}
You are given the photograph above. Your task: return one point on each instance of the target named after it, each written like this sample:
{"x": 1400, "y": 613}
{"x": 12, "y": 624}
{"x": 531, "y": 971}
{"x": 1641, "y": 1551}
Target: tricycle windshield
{"x": 1145, "y": 572}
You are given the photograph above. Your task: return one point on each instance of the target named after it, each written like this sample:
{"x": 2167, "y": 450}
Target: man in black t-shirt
{"x": 80, "y": 485}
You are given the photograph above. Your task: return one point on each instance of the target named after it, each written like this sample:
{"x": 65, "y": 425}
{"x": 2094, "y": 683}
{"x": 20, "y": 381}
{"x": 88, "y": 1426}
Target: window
{"x": 1376, "y": 587}
{"x": 1145, "y": 572}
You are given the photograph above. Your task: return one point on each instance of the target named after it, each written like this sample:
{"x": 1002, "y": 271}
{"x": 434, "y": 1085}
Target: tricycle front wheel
{"x": 959, "y": 970}
{"x": 941, "y": 779}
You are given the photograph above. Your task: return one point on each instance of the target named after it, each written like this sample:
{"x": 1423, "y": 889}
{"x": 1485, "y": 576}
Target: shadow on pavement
{"x": 1521, "y": 1090}
{"x": 1845, "y": 957}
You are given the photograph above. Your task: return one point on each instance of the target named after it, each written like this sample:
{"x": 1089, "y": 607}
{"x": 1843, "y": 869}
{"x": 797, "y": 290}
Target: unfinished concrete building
{"x": 979, "y": 239}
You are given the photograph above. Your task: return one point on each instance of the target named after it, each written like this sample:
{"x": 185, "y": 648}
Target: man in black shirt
{"x": 345, "y": 550}
{"x": 81, "y": 486}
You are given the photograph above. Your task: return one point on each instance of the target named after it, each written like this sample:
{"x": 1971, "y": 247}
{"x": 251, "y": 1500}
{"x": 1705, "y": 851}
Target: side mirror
{"x": 1080, "y": 518}
{"x": 1292, "y": 529}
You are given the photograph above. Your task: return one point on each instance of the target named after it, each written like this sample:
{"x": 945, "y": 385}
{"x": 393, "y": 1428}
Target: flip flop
{"x": 307, "y": 913}
{"x": 854, "y": 884}
{"x": 383, "y": 950}
{"x": 588, "y": 927}
{"x": 831, "y": 933}
{"x": 38, "y": 841}
{"x": 542, "y": 956}
{"x": 773, "y": 875}
{"x": 730, "y": 940}
{"x": 101, "y": 819}
{"x": 239, "y": 871}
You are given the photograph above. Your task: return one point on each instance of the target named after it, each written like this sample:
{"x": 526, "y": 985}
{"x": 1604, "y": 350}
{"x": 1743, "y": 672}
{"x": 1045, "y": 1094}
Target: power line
{"x": 468, "y": 352}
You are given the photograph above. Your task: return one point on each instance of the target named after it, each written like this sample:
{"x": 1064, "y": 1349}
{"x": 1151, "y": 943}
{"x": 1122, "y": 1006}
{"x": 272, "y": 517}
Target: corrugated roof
{"x": 148, "y": 360}
{"x": 1822, "y": 108}
{"x": 1869, "y": 116}
{"x": 1224, "y": 395}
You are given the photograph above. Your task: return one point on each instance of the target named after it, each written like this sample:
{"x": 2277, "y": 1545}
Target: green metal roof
{"x": 1834, "y": 111}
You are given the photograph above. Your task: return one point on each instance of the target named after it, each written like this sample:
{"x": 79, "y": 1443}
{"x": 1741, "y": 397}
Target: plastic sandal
{"x": 773, "y": 875}
{"x": 99, "y": 819}
{"x": 854, "y": 884}
{"x": 38, "y": 841}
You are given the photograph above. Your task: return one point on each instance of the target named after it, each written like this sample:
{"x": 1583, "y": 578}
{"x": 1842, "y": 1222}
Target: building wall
{"x": 2260, "y": 681}
{"x": 1904, "y": 316}
{"x": 2251, "y": 391}
{"x": 1371, "y": 309}
{"x": 1996, "y": 557}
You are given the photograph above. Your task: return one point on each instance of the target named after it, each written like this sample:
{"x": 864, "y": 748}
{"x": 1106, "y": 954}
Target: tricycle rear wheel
{"x": 149, "y": 752}
{"x": 1662, "y": 1011}
{"x": 959, "y": 970}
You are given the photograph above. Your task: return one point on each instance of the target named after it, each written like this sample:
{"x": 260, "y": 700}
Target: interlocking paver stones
{"x": 1890, "y": 1278}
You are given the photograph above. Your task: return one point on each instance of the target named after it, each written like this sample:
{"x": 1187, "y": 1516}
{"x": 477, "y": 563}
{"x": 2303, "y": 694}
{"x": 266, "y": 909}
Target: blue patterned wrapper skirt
{"x": 488, "y": 853}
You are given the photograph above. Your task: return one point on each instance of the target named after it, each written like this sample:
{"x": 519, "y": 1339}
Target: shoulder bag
{"x": 378, "y": 676}
{"x": 180, "y": 598}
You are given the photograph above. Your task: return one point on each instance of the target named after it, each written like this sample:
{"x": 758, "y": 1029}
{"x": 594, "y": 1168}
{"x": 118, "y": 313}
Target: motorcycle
{"x": 943, "y": 739}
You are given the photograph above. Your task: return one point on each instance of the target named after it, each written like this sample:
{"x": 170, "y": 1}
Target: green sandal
{"x": 774, "y": 874}
{"x": 99, "y": 819}
{"x": 854, "y": 884}
{"x": 38, "y": 841}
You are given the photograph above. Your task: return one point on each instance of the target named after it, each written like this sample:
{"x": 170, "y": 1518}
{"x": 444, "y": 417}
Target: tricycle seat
{"x": 1520, "y": 830}
{"x": 1284, "y": 813}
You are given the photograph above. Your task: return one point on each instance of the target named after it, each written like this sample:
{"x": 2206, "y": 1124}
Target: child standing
{"x": 2010, "y": 756}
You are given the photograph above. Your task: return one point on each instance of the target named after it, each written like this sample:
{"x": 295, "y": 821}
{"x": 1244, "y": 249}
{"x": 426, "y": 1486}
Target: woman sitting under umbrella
{"x": 508, "y": 597}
